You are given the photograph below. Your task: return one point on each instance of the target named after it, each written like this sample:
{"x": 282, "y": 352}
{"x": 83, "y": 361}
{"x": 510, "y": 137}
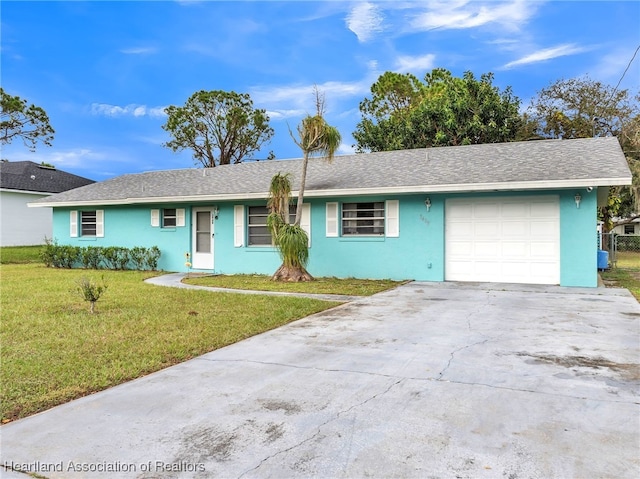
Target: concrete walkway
{"x": 175, "y": 280}
{"x": 437, "y": 380}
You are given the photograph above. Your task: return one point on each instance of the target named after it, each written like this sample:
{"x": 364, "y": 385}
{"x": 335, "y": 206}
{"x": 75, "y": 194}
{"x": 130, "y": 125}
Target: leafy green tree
{"x": 585, "y": 108}
{"x": 20, "y": 120}
{"x": 404, "y": 112}
{"x": 315, "y": 138}
{"x": 220, "y": 127}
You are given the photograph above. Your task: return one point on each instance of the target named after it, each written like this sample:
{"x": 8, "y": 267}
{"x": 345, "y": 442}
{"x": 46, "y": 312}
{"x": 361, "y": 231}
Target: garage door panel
{"x": 487, "y": 249}
{"x": 543, "y": 250}
{"x": 486, "y": 229}
{"x": 514, "y": 249}
{"x": 515, "y": 210}
{"x": 508, "y": 240}
{"x": 486, "y": 210}
{"x": 514, "y": 229}
{"x": 460, "y": 249}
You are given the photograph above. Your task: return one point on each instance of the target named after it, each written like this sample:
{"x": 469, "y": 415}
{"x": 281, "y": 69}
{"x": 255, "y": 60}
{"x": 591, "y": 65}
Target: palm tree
{"x": 316, "y": 138}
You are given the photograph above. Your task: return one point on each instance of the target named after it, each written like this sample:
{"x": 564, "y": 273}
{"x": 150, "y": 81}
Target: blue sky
{"x": 104, "y": 71}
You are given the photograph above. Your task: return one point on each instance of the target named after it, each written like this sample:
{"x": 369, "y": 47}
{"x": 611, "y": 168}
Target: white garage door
{"x": 508, "y": 240}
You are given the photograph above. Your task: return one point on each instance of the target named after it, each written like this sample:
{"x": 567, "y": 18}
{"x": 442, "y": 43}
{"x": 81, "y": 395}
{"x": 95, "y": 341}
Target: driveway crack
{"x": 454, "y": 352}
{"x": 319, "y": 427}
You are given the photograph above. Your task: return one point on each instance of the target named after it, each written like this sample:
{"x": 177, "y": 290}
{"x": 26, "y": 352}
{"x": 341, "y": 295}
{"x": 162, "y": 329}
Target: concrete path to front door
{"x": 438, "y": 380}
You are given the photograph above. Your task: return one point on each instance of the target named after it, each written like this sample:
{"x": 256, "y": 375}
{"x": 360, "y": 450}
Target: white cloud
{"x": 345, "y": 149}
{"x": 365, "y": 20}
{"x": 62, "y": 159}
{"x": 127, "y": 110}
{"x": 284, "y": 114}
{"x": 300, "y": 98}
{"x": 415, "y": 64}
{"x": 546, "y": 54}
{"x": 472, "y": 14}
{"x": 138, "y": 50}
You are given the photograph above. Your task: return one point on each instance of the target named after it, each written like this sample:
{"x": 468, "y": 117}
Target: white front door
{"x": 202, "y": 238}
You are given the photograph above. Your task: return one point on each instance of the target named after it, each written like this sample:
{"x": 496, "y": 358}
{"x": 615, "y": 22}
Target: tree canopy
{"x": 220, "y": 127}
{"x": 585, "y": 108}
{"x": 21, "y": 120}
{"x": 444, "y": 110}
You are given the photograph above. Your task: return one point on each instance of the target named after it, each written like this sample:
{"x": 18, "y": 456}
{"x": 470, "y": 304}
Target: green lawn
{"x": 350, "y": 286}
{"x": 54, "y": 350}
{"x": 628, "y": 259}
{"x": 20, "y": 254}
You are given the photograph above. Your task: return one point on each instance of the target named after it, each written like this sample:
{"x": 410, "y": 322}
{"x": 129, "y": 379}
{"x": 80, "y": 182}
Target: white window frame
{"x": 77, "y": 223}
{"x": 361, "y": 221}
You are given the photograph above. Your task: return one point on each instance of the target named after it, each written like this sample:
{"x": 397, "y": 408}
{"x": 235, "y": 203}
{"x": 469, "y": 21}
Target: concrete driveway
{"x": 429, "y": 380}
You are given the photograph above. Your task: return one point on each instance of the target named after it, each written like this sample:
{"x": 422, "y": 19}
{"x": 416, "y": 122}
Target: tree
{"x": 405, "y": 113}
{"x": 315, "y": 138}
{"x": 585, "y": 108}
{"x": 20, "y": 120}
{"x": 220, "y": 127}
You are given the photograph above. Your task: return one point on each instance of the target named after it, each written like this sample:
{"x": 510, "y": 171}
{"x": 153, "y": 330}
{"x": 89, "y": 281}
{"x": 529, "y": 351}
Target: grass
{"x": 628, "y": 278}
{"x": 351, "y": 286}
{"x": 628, "y": 259}
{"x": 20, "y": 254}
{"x": 54, "y": 350}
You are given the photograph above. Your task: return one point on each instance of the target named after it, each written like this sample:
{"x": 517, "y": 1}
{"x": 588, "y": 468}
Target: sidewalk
{"x": 175, "y": 280}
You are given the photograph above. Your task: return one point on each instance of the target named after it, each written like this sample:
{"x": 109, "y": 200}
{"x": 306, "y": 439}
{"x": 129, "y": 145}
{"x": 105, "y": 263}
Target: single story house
{"x": 522, "y": 212}
{"x": 22, "y": 182}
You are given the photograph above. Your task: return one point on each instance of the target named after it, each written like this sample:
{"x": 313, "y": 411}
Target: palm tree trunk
{"x": 303, "y": 181}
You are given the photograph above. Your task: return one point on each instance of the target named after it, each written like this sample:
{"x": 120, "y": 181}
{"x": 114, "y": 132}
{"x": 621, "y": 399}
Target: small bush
{"x": 90, "y": 291}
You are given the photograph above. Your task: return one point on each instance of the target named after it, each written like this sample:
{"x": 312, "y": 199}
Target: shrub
{"x": 94, "y": 257}
{"x": 116, "y": 257}
{"x": 138, "y": 256}
{"x": 90, "y": 291}
{"x": 91, "y": 257}
{"x": 152, "y": 257}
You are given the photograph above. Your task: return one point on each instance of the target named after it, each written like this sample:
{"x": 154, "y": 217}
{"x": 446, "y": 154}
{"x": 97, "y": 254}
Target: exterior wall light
{"x": 427, "y": 203}
{"x": 578, "y": 198}
{"x": 215, "y": 212}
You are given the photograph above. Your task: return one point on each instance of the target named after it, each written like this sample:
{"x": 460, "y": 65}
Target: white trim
{"x": 155, "y": 218}
{"x": 305, "y": 221}
{"x": 27, "y": 192}
{"x": 180, "y": 217}
{"x": 99, "y": 223}
{"x": 392, "y": 219}
{"x": 388, "y": 190}
{"x": 331, "y": 220}
{"x": 73, "y": 224}
{"x": 238, "y": 226}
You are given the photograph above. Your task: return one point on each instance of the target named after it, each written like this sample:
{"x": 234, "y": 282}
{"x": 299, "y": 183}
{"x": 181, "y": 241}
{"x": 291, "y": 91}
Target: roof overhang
{"x": 393, "y": 190}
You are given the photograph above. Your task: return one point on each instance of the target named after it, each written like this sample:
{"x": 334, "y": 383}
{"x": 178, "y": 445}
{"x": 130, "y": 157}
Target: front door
{"x": 202, "y": 238}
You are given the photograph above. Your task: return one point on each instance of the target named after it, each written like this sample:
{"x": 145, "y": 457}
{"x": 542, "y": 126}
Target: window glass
{"x": 629, "y": 229}
{"x": 169, "y": 218}
{"x": 259, "y": 234}
{"x": 363, "y": 219}
{"x": 88, "y": 223}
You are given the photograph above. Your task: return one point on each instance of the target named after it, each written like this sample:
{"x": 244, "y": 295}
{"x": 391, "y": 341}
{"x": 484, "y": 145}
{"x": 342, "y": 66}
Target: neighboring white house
{"x": 22, "y": 182}
{"x": 632, "y": 228}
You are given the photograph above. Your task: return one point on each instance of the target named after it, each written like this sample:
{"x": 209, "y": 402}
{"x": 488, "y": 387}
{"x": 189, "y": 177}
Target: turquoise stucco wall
{"x": 418, "y": 253}
{"x": 578, "y": 239}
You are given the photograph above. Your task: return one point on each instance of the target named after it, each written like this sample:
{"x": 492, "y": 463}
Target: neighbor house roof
{"x": 541, "y": 164}
{"x": 29, "y": 176}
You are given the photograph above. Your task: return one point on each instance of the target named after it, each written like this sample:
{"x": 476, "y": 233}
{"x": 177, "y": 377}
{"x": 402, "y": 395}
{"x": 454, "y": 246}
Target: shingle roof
{"x": 29, "y": 176}
{"x": 519, "y": 165}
